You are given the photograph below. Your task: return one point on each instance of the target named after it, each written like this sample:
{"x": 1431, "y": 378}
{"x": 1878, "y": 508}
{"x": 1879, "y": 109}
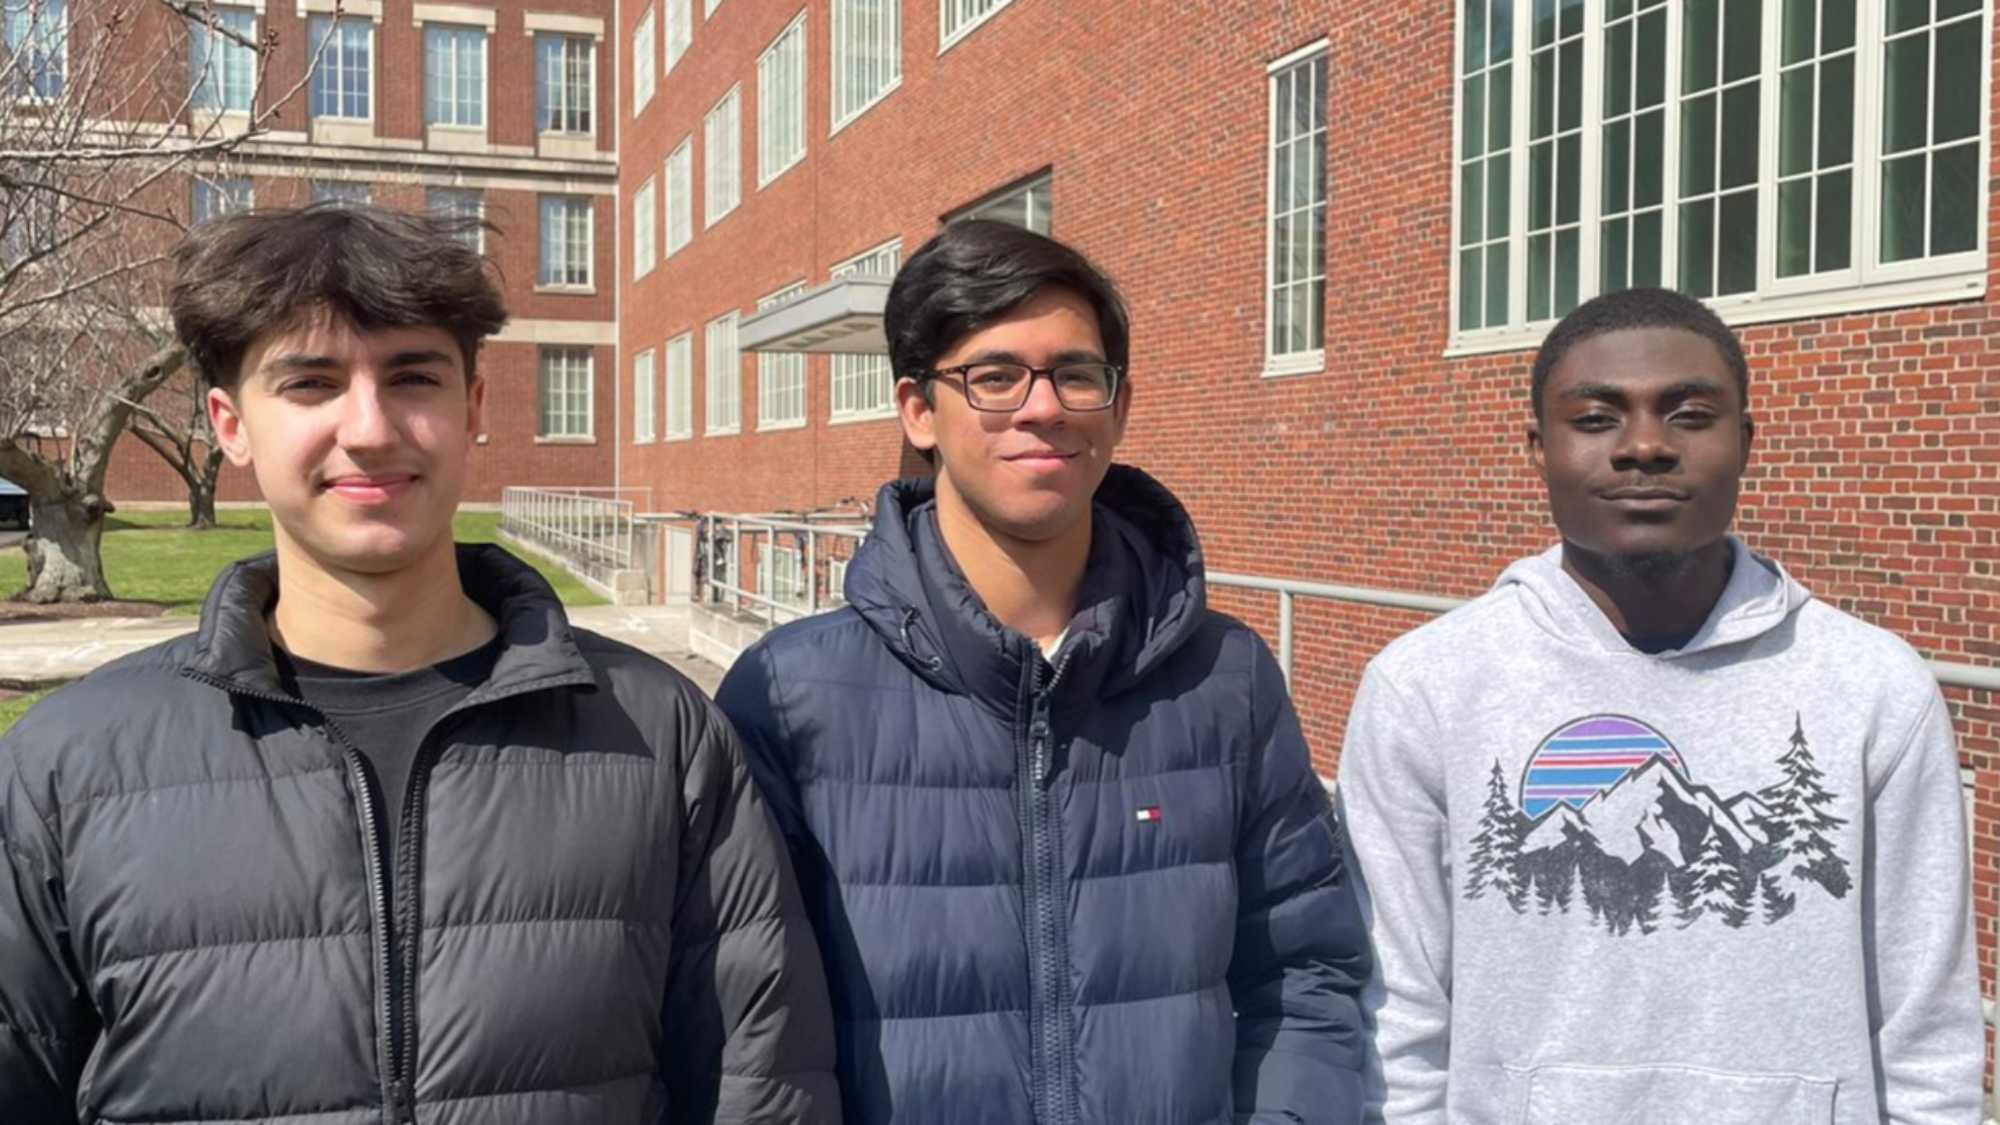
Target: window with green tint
{"x": 1721, "y": 85}
{"x": 1931, "y": 192}
{"x": 1555, "y": 159}
{"x": 1815, "y": 215}
{"x": 1632, "y": 203}
{"x": 1485, "y": 166}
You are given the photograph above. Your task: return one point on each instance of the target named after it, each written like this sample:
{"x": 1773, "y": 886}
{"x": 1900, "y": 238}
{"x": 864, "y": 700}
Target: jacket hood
{"x": 1758, "y": 598}
{"x": 1143, "y": 592}
{"x": 233, "y": 644}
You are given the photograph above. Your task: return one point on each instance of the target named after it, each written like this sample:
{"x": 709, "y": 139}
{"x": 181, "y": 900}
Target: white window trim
{"x": 596, "y": 45}
{"x": 671, "y": 58}
{"x": 645, "y": 77}
{"x": 734, "y": 99}
{"x": 835, "y": 69}
{"x": 768, "y": 578}
{"x": 708, "y": 8}
{"x": 685, "y": 343}
{"x": 947, "y": 41}
{"x": 485, "y": 82}
{"x": 766, "y": 175}
{"x": 709, "y": 429}
{"x": 478, "y": 233}
{"x": 686, "y": 197}
{"x": 1286, "y": 364}
{"x": 645, "y": 254}
{"x": 590, "y": 252}
{"x": 1874, "y": 285}
{"x": 422, "y": 14}
{"x": 374, "y": 60}
{"x": 589, "y": 436}
{"x": 650, "y": 416}
{"x": 770, "y": 300}
{"x": 837, "y": 417}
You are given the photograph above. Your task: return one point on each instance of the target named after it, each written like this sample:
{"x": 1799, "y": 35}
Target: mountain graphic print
{"x": 1606, "y": 819}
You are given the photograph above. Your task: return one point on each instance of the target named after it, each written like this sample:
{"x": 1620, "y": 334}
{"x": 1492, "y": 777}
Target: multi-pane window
{"x": 781, "y": 102}
{"x": 1296, "y": 296}
{"x": 219, "y": 196}
{"x": 781, "y": 379}
{"x": 565, "y": 82}
{"x": 467, "y": 204}
{"x": 454, "y": 75}
{"x": 864, "y": 386}
{"x": 725, "y": 377}
{"x": 343, "y": 75}
{"x": 680, "y": 196}
{"x": 566, "y": 241}
{"x": 341, "y": 191}
{"x": 643, "y": 74}
{"x": 36, "y": 35}
{"x": 644, "y": 410}
{"x": 722, "y": 138}
{"x": 957, "y": 18}
{"x": 836, "y": 581}
{"x": 785, "y": 575}
{"x": 1024, "y": 206}
{"x": 680, "y": 30}
{"x": 644, "y": 215}
{"x": 680, "y": 387}
{"x": 1762, "y": 154}
{"x": 867, "y": 54}
{"x": 220, "y": 58}
{"x": 565, "y": 393}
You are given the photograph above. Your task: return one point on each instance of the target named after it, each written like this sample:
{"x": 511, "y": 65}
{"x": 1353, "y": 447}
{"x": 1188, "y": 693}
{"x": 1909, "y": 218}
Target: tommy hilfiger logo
{"x": 1148, "y": 815}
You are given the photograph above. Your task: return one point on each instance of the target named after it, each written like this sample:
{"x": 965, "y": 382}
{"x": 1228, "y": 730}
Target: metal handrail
{"x": 590, "y": 530}
{"x": 742, "y": 526}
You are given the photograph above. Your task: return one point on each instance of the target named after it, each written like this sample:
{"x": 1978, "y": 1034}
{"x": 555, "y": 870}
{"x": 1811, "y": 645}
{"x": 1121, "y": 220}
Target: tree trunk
{"x": 63, "y": 560}
{"x": 201, "y": 490}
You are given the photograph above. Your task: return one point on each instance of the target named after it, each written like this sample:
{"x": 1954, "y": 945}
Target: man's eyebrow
{"x": 418, "y": 357}
{"x": 1610, "y": 392}
{"x": 300, "y": 361}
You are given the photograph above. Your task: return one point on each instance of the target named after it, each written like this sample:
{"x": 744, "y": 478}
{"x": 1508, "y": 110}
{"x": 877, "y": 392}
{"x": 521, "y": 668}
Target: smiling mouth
{"x": 369, "y": 487}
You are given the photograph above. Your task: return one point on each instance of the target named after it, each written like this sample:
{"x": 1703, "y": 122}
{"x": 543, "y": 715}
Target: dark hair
{"x": 1639, "y": 308}
{"x": 244, "y": 275}
{"x": 971, "y": 274}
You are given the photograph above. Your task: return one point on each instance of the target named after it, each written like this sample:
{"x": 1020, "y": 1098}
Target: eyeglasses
{"x": 1003, "y": 388}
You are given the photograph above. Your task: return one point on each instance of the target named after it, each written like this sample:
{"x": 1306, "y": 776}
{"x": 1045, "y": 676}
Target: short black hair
{"x": 1639, "y": 308}
{"x": 971, "y": 274}
{"x": 243, "y": 275}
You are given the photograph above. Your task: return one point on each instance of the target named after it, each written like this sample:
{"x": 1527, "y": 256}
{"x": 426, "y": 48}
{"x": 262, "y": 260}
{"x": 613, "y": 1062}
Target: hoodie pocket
{"x": 1666, "y": 1095}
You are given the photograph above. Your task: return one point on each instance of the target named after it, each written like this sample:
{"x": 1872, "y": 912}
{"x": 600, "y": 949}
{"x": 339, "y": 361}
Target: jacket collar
{"x": 232, "y": 646}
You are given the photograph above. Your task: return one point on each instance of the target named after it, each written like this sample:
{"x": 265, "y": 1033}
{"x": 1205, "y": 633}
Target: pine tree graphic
{"x": 1742, "y": 900}
{"x": 1777, "y": 903}
{"x": 1565, "y": 881}
{"x": 1496, "y": 848}
{"x": 1646, "y": 908}
{"x": 1713, "y": 877}
{"x": 1687, "y": 900}
{"x": 1800, "y": 818}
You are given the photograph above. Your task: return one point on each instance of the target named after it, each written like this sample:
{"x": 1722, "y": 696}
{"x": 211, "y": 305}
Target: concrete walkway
{"x": 37, "y": 652}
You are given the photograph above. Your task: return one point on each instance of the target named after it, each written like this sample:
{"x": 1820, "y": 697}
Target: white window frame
{"x": 773, "y": 367}
{"x": 722, "y": 412}
{"x": 708, "y": 7}
{"x": 478, "y": 241}
{"x": 1867, "y": 284}
{"x": 722, "y": 179}
{"x": 1310, "y": 360}
{"x": 784, "y": 576}
{"x": 781, "y": 102}
{"x": 679, "y": 181}
{"x": 679, "y": 380}
{"x": 213, "y": 56}
{"x": 1039, "y": 188}
{"x": 222, "y": 191}
{"x": 680, "y": 31}
{"x": 340, "y": 191}
{"x": 645, "y": 223}
{"x": 42, "y": 72}
{"x": 842, "y": 43}
{"x": 485, "y": 74}
{"x": 971, "y": 15}
{"x": 543, "y": 356}
{"x": 645, "y": 76}
{"x": 589, "y": 282}
{"x": 645, "y": 411}
{"x": 589, "y": 103}
{"x": 857, "y": 370}
{"x": 836, "y": 581}
{"x": 334, "y": 23}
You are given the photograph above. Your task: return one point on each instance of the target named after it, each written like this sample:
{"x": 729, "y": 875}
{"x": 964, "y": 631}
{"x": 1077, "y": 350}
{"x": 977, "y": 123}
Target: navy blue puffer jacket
{"x": 1106, "y": 889}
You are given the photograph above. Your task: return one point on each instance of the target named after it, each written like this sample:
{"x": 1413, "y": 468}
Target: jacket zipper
{"x": 1058, "y": 1086}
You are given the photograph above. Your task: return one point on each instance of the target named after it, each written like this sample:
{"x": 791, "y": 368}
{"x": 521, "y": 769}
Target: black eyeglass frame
{"x": 1049, "y": 373}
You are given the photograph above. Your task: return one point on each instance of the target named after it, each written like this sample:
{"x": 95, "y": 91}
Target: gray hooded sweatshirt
{"x": 1724, "y": 884}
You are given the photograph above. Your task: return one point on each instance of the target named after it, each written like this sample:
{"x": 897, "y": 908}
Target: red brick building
{"x": 1342, "y": 230}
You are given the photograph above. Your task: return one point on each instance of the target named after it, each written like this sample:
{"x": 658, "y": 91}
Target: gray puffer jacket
{"x": 192, "y": 907}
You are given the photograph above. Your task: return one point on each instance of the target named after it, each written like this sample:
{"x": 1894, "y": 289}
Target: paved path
{"x": 39, "y": 651}
{"x": 9, "y": 538}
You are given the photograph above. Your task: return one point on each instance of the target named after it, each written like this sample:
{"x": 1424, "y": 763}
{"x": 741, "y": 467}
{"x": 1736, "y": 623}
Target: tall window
{"x": 644, "y": 411}
{"x": 460, "y": 203}
{"x": 454, "y": 75}
{"x": 781, "y": 102}
{"x": 565, "y": 398}
{"x": 343, "y": 80}
{"x": 957, "y": 18}
{"x": 221, "y": 59}
{"x": 1778, "y": 158}
{"x": 725, "y": 377}
{"x": 341, "y": 191}
{"x": 566, "y": 241}
{"x": 644, "y": 215}
{"x": 1025, "y": 206}
{"x": 863, "y": 385}
{"x": 680, "y": 31}
{"x": 680, "y": 387}
{"x": 680, "y": 196}
{"x": 643, "y": 73}
{"x": 708, "y": 7}
{"x": 781, "y": 379}
{"x": 36, "y": 35}
{"x": 722, "y": 137}
{"x": 215, "y": 197}
{"x": 1295, "y": 305}
{"x": 565, "y": 82}
{"x": 785, "y": 575}
{"x": 867, "y": 54}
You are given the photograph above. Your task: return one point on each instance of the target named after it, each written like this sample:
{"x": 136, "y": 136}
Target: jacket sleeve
{"x": 1301, "y": 953}
{"x": 47, "y": 1026}
{"x": 747, "y": 1023}
{"x": 749, "y": 696}
{"x": 1398, "y": 831}
{"x": 1923, "y": 982}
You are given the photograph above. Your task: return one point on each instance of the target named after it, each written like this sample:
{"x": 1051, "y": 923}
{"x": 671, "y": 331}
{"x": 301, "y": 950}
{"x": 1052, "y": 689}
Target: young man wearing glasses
{"x": 1054, "y": 819}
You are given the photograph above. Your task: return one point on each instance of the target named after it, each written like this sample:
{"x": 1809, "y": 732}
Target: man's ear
{"x": 1749, "y": 437}
{"x": 1538, "y": 456}
{"x": 226, "y": 419}
{"x": 918, "y": 415}
{"x": 475, "y": 406}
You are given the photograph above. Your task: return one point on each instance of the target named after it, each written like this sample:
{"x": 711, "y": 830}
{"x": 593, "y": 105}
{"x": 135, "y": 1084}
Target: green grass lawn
{"x": 11, "y": 710}
{"x": 151, "y": 556}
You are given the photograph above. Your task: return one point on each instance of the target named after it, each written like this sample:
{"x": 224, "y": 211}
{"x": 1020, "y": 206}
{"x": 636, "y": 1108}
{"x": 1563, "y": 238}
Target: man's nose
{"x": 1646, "y": 444}
{"x": 365, "y": 422}
{"x": 1042, "y": 404}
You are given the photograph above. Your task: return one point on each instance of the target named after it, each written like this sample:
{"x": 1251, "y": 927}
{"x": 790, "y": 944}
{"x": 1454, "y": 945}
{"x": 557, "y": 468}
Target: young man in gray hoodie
{"x": 1649, "y": 835}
